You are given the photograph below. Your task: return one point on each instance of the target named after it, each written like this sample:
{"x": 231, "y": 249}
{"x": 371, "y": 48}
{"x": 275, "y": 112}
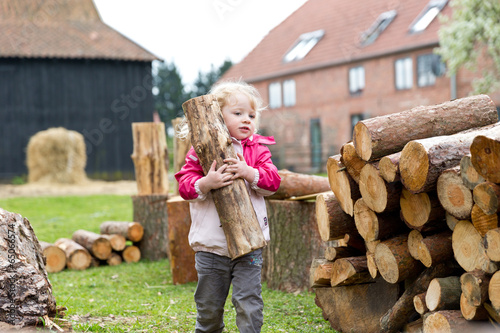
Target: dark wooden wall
{"x": 97, "y": 98}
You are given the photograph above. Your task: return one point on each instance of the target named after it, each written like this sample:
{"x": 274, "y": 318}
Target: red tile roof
{"x": 343, "y": 22}
{"x": 62, "y": 29}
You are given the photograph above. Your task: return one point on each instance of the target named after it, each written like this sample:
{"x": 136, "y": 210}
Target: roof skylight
{"x": 380, "y": 24}
{"x": 427, "y": 15}
{"x": 303, "y": 45}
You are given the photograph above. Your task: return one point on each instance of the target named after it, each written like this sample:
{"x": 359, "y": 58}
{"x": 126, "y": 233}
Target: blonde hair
{"x": 223, "y": 91}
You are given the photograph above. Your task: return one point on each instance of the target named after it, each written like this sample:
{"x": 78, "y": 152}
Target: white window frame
{"x": 380, "y": 24}
{"x": 403, "y": 73}
{"x": 356, "y": 80}
{"x": 303, "y": 45}
{"x": 430, "y": 12}
{"x": 289, "y": 93}
{"x": 275, "y": 95}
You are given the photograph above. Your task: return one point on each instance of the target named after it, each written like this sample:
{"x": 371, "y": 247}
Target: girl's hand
{"x": 240, "y": 169}
{"x": 215, "y": 179}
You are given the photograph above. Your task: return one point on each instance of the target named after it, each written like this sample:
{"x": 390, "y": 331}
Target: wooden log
{"x": 352, "y": 270}
{"x": 114, "y": 259}
{"x": 492, "y": 244}
{"x": 212, "y": 142}
{"x": 487, "y": 196}
{"x": 181, "y": 148}
{"x": 419, "y": 209}
{"x": 483, "y": 222}
{"x": 416, "y": 326}
{"x": 133, "y": 231}
{"x": 341, "y": 183}
{"x": 431, "y": 250}
{"x": 453, "y": 195}
{"x": 320, "y": 274}
{"x": 77, "y": 257}
{"x": 332, "y": 253}
{"x": 475, "y": 286}
{"x": 372, "y": 265}
{"x": 380, "y": 136}
{"x": 394, "y": 261}
{"x": 298, "y": 184}
{"x": 97, "y": 245}
{"x": 446, "y": 321}
{"x": 26, "y": 292}
{"x": 131, "y": 253}
{"x": 472, "y": 312}
{"x": 422, "y": 161}
{"x": 451, "y": 221}
{"x": 151, "y": 212}
{"x": 469, "y": 250}
{"x": 389, "y": 167}
{"x": 470, "y": 177}
{"x": 117, "y": 242}
{"x": 444, "y": 294}
{"x": 182, "y": 262}
{"x": 55, "y": 258}
{"x": 353, "y": 163}
{"x": 419, "y": 303}
{"x": 494, "y": 316}
{"x": 485, "y": 156}
{"x": 333, "y": 222}
{"x": 150, "y": 158}
{"x": 378, "y": 194}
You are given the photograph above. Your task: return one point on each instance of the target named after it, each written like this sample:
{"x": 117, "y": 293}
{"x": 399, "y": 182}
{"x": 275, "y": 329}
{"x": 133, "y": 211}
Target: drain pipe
{"x": 453, "y": 86}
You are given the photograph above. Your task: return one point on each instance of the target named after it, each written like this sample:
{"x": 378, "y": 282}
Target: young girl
{"x": 241, "y": 106}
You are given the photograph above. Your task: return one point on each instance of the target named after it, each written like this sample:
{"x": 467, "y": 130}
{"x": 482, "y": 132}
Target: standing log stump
{"x": 26, "y": 292}
{"x": 211, "y": 141}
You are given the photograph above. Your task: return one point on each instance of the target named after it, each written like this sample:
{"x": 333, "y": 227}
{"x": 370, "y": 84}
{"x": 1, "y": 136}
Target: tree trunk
{"x": 151, "y": 212}
{"x": 98, "y": 246}
{"x": 447, "y": 321}
{"x": 353, "y": 270}
{"x": 181, "y": 254}
{"x": 389, "y": 167}
{"x": 372, "y": 226}
{"x": 77, "y": 257}
{"x": 492, "y": 244}
{"x": 353, "y": 163}
{"x": 422, "y": 161}
{"x": 55, "y": 259}
{"x": 320, "y": 273}
{"x": 333, "y": 222}
{"x": 380, "y": 136}
{"x": 345, "y": 188}
{"x": 150, "y": 158}
{"x": 131, "y": 253}
{"x": 419, "y": 303}
{"x": 475, "y": 286}
{"x": 133, "y": 231}
{"x": 485, "y": 156}
{"x": 211, "y": 140}
{"x": 26, "y": 292}
{"x": 117, "y": 242}
{"x": 298, "y": 184}
{"x": 454, "y": 196}
{"x": 444, "y": 294}
{"x": 379, "y": 195}
{"x": 483, "y": 222}
{"x": 487, "y": 197}
{"x": 470, "y": 177}
{"x": 181, "y": 148}
{"x": 419, "y": 209}
{"x": 472, "y": 312}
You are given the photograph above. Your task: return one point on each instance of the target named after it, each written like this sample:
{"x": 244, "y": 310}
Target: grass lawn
{"x": 138, "y": 297}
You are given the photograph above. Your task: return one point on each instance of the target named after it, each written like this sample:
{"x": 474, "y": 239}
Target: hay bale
{"x": 56, "y": 155}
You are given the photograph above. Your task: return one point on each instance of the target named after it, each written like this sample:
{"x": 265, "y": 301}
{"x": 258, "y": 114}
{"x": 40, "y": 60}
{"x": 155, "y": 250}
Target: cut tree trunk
{"x": 55, "y": 258}
{"x": 475, "y": 286}
{"x": 117, "y": 242}
{"x": 77, "y": 257}
{"x": 485, "y": 156}
{"x": 114, "y": 259}
{"x": 454, "y": 196}
{"x": 487, "y": 197}
{"x": 320, "y": 273}
{"x": 422, "y": 161}
{"x": 26, "y": 292}
{"x": 492, "y": 244}
{"x": 181, "y": 148}
{"x": 447, "y": 321}
{"x": 353, "y": 270}
{"x": 151, "y": 212}
{"x": 389, "y": 167}
{"x": 471, "y": 312}
{"x": 470, "y": 177}
{"x": 98, "y": 246}
{"x": 380, "y": 136}
{"x": 351, "y": 160}
{"x": 419, "y": 303}
{"x": 378, "y": 194}
{"x": 299, "y": 184}
{"x": 341, "y": 183}
{"x": 333, "y": 222}
{"x": 131, "y": 253}
{"x": 150, "y": 158}
{"x": 431, "y": 250}
{"x": 419, "y": 209}
{"x": 211, "y": 141}
{"x": 444, "y": 294}
{"x": 483, "y": 222}
{"x": 133, "y": 231}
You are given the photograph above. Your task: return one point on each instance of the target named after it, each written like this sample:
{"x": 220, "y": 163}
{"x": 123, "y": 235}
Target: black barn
{"x": 60, "y": 65}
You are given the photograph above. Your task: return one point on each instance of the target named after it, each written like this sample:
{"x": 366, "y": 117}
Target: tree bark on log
{"x": 352, "y": 270}
{"x": 77, "y": 257}
{"x": 353, "y": 163}
{"x": 181, "y": 148}
{"x": 422, "y": 161}
{"x": 483, "y": 222}
{"x": 333, "y": 222}
{"x": 133, "y": 231}
{"x": 380, "y": 136}
{"x": 434, "y": 249}
{"x": 444, "y": 294}
{"x": 151, "y": 212}
{"x": 26, "y": 292}
{"x": 55, "y": 258}
{"x": 298, "y": 184}
{"x": 379, "y": 195}
{"x": 320, "y": 274}
{"x": 117, "y": 242}
{"x": 487, "y": 196}
{"x": 98, "y": 246}
{"x": 470, "y": 177}
{"x": 389, "y": 167}
{"x": 211, "y": 140}
{"x": 341, "y": 183}
{"x": 472, "y": 312}
{"x": 454, "y": 196}
{"x": 485, "y": 156}
{"x": 492, "y": 244}
{"x": 419, "y": 209}
{"x": 372, "y": 226}
{"x": 131, "y": 253}
{"x": 475, "y": 286}
{"x": 447, "y": 321}
{"x": 150, "y": 158}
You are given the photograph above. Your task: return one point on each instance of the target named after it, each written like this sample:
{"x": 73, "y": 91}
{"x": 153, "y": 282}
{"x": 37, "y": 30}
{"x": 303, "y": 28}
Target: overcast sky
{"x": 196, "y": 33}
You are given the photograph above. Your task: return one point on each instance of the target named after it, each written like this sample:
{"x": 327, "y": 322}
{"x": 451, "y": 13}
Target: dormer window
{"x": 428, "y": 15}
{"x": 380, "y": 24}
{"x": 303, "y": 45}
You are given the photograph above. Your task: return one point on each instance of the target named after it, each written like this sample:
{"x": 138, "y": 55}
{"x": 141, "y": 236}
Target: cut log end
{"x": 415, "y": 208}
{"x": 389, "y": 170}
{"x": 485, "y": 157}
{"x": 414, "y": 166}
{"x": 453, "y": 195}
{"x": 373, "y": 188}
{"x": 55, "y": 259}
{"x": 362, "y": 141}
{"x": 386, "y": 263}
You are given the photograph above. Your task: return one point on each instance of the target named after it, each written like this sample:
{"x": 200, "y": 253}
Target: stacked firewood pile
{"x": 114, "y": 245}
{"x": 412, "y": 222}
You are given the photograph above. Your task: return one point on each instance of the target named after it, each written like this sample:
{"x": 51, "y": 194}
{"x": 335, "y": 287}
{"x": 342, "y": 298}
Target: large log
{"x": 26, "y": 292}
{"x": 131, "y": 253}
{"x": 298, "y": 184}
{"x": 444, "y": 294}
{"x": 483, "y": 222}
{"x": 211, "y": 140}
{"x": 352, "y": 270}
{"x": 98, "y": 246}
{"x": 470, "y": 177}
{"x": 389, "y": 167}
{"x": 487, "y": 196}
{"x": 133, "y": 231}
{"x": 419, "y": 209}
{"x": 485, "y": 156}
{"x": 342, "y": 184}
{"x": 150, "y": 158}
{"x": 77, "y": 257}
{"x": 378, "y": 194}
{"x": 55, "y": 258}
{"x": 380, "y": 136}
{"x": 353, "y": 163}
{"x": 453, "y": 195}
{"x": 333, "y": 222}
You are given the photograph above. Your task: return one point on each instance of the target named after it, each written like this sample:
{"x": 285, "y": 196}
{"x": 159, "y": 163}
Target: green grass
{"x": 139, "y": 297}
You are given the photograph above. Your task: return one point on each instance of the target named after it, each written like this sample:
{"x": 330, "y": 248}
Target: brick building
{"x": 334, "y": 62}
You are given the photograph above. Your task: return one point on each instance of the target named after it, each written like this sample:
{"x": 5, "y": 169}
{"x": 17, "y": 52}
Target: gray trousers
{"x": 215, "y": 275}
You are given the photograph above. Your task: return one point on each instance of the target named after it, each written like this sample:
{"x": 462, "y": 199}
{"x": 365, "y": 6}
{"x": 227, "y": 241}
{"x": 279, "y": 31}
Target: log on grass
{"x": 77, "y": 257}
{"x": 97, "y": 245}
{"x": 353, "y": 163}
{"x": 114, "y": 259}
{"x": 475, "y": 286}
{"x": 352, "y": 270}
{"x": 131, "y": 253}
{"x": 342, "y": 184}
{"x": 333, "y": 222}
{"x": 320, "y": 273}
{"x": 487, "y": 196}
{"x": 483, "y": 222}
{"x": 470, "y": 177}
{"x": 389, "y": 167}
{"x": 378, "y": 194}
{"x": 117, "y": 242}
{"x": 485, "y": 156}
{"x": 454, "y": 196}
{"x": 419, "y": 209}
{"x": 380, "y": 136}
{"x": 443, "y": 294}
{"x": 212, "y": 142}
{"x": 133, "y": 231}
{"x": 55, "y": 258}
{"x": 298, "y": 184}
{"x": 26, "y": 292}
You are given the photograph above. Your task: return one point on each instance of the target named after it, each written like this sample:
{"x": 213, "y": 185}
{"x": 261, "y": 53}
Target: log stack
{"x": 420, "y": 188}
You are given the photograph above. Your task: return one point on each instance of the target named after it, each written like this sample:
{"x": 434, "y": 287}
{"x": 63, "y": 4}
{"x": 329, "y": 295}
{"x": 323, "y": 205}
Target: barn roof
{"x": 338, "y": 32}
{"x": 62, "y": 29}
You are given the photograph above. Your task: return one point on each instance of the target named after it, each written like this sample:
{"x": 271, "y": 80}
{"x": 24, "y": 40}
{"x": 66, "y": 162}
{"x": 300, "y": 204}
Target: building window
{"x": 275, "y": 95}
{"x": 289, "y": 92}
{"x": 427, "y": 15}
{"x": 429, "y": 66}
{"x": 356, "y": 80}
{"x": 303, "y": 45}
{"x": 404, "y": 73}
{"x": 354, "y": 120}
{"x": 380, "y": 24}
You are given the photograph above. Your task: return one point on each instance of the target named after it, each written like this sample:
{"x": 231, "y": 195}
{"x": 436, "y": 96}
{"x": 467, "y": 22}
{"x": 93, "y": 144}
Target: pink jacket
{"x": 206, "y": 232}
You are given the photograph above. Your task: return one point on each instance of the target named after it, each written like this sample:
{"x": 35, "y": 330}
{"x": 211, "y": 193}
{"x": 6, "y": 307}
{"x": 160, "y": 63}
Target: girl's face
{"x": 239, "y": 116}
